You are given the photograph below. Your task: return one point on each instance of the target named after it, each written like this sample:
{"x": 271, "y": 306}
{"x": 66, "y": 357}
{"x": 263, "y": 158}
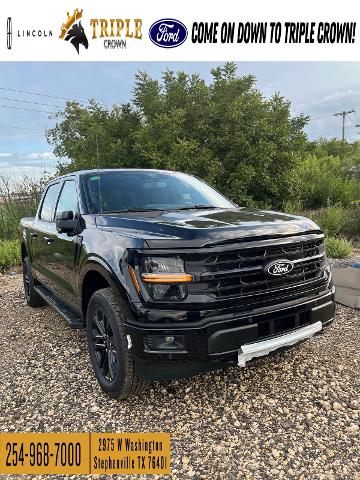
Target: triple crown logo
{"x": 73, "y": 30}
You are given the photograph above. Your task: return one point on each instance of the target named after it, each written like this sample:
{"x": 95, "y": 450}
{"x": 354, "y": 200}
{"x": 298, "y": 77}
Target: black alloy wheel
{"x": 110, "y": 347}
{"x": 104, "y": 345}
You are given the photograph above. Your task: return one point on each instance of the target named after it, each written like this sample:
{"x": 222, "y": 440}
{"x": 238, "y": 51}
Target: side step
{"x": 70, "y": 315}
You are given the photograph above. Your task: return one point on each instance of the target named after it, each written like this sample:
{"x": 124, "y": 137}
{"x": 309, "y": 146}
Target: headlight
{"x": 165, "y": 277}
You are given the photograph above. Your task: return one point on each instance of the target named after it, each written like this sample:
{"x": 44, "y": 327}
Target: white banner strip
{"x": 140, "y": 30}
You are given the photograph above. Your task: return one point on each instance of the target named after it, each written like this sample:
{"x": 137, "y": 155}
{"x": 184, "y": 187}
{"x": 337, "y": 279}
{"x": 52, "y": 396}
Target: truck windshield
{"x": 121, "y": 191}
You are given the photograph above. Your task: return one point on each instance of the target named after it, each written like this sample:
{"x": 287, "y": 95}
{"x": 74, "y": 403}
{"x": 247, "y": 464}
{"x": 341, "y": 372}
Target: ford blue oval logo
{"x": 168, "y": 33}
{"x": 281, "y": 267}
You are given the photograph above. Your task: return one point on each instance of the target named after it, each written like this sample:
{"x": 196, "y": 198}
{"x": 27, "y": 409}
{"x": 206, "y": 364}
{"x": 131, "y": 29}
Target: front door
{"x": 64, "y": 248}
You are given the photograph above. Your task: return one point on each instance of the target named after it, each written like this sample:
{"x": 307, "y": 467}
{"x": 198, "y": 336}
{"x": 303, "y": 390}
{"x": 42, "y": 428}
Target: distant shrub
{"x": 9, "y": 254}
{"x": 334, "y": 220}
{"x": 293, "y": 206}
{"x": 19, "y": 198}
{"x": 337, "y": 247}
{"x": 352, "y": 228}
{"x": 325, "y": 180}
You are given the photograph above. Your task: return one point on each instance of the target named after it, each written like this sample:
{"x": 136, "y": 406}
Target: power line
{"x": 22, "y": 128}
{"x": 28, "y": 101}
{"x": 343, "y": 114}
{"x": 321, "y": 116}
{"x": 50, "y": 96}
{"x": 27, "y": 109}
{"x": 43, "y": 95}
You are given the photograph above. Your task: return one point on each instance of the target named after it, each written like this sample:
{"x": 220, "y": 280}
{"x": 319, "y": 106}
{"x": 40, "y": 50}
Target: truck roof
{"x": 78, "y": 173}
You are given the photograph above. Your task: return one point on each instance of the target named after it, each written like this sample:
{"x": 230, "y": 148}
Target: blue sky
{"x": 317, "y": 89}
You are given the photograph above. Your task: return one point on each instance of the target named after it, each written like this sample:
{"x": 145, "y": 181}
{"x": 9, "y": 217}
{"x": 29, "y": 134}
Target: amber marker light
{"x": 134, "y": 279}
{"x": 166, "y": 278}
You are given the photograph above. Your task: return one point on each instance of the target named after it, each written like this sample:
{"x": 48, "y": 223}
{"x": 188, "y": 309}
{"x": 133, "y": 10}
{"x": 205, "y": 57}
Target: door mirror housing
{"x": 67, "y": 215}
{"x": 66, "y": 223}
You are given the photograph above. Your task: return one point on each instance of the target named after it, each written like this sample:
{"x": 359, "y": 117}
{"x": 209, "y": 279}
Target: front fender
{"x": 99, "y": 265}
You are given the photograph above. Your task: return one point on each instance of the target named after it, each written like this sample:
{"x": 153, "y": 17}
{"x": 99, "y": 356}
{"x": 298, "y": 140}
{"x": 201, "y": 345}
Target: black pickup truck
{"x": 170, "y": 278}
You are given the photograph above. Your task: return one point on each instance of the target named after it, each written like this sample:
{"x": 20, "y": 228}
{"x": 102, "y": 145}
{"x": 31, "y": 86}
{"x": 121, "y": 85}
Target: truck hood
{"x": 198, "y": 228}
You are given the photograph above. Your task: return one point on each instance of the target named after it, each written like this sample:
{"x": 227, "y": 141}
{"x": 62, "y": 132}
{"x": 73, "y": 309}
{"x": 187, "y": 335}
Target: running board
{"x": 70, "y": 315}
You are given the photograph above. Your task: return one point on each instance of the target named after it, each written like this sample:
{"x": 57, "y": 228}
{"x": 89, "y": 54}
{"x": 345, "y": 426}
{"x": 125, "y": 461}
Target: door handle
{"x": 48, "y": 239}
{"x": 34, "y": 234}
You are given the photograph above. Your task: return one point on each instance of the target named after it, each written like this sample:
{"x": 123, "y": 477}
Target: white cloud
{"x": 339, "y": 96}
{"x": 3, "y": 155}
{"x": 40, "y": 155}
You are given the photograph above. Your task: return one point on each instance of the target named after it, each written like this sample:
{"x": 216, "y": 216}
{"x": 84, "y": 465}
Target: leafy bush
{"x": 324, "y": 181}
{"x": 10, "y": 215}
{"x": 334, "y": 220}
{"x": 337, "y": 247}
{"x": 19, "y": 199}
{"x": 9, "y": 254}
{"x": 337, "y": 221}
{"x": 292, "y": 206}
{"x": 352, "y": 228}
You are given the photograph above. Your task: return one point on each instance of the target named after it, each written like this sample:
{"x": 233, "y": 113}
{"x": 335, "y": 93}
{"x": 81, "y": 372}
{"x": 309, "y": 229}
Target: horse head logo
{"x": 76, "y": 35}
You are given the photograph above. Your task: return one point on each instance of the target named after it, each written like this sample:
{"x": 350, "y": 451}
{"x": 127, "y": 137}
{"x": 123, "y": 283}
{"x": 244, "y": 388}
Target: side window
{"x": 48, "y": 205}
{"x": 68, "y": 199}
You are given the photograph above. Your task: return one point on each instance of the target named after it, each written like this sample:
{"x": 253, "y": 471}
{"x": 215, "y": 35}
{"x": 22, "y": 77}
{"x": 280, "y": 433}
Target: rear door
{"x": 41, "y": 232}
{"x": 64, "y": 248}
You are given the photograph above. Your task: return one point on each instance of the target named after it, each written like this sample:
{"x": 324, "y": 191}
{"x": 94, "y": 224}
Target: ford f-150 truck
{"x": 170, "y": 278}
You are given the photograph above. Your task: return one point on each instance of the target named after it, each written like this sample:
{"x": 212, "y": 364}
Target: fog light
{"x": 161, "y": 342}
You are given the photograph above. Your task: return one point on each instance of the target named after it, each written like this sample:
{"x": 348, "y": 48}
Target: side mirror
{"x": 65, "y": 223}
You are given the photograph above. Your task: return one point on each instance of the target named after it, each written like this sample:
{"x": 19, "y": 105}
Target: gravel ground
{"x": 294, "y": 415}
{"x": 344, "y": 262}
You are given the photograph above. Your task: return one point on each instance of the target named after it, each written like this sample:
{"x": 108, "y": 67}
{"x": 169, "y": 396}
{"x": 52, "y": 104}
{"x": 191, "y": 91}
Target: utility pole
{"x": 343, "y": 115}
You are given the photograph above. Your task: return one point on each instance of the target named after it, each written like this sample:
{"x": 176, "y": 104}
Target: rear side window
{"x": 48, "y": 205}
{"x": 68, "y": 199}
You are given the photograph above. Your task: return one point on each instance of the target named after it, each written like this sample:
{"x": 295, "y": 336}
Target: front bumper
{"x": 213, "y": 341}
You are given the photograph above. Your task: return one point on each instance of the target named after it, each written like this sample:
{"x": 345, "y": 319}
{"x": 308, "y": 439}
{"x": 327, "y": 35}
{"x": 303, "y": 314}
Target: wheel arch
{"x": 94, "y": 276}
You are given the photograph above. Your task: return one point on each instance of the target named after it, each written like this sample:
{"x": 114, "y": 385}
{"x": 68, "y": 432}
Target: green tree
{"x": 225, "y": 132}
{"x": 94, "y": 136}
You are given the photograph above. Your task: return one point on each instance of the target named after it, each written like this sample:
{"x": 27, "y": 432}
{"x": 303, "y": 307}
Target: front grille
{"x": 241, "y": 272}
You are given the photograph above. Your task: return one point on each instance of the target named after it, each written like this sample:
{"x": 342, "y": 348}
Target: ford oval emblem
{"x": 168, "y": 33}
{"x": 280, "y": 267}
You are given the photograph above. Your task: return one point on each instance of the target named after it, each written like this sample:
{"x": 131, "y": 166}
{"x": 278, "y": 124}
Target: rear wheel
{"x": 109, "y": 351}
{"x": 33, "y": 299}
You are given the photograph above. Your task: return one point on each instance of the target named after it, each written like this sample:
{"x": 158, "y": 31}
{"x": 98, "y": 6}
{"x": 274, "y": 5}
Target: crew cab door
{"x": 41, "y": 231}
{"x": 64, "y": 248}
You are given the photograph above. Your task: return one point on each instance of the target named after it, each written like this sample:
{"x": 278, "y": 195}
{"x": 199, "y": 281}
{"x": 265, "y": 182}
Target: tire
{"x": 33, "y": 299}
{"x": 111, "y": 359}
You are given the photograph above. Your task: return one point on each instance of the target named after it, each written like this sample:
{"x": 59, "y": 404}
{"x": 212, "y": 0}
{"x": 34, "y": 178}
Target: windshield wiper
{"x": 125, "y": 210}
{"x": 190, "y": 207}
{"x": 196, "y": 207}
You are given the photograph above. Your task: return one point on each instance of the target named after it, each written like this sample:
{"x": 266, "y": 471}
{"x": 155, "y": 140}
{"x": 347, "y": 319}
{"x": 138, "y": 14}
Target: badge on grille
{"x": 280, "y": 267}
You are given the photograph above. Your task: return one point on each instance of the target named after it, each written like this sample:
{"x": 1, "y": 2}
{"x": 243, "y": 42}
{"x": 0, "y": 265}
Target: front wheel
{"x": 109, "y": 351}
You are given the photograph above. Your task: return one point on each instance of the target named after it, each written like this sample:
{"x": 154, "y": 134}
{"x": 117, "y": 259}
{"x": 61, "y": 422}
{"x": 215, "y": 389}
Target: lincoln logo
{"x": 281, "y": 267}
{"x": 9, "y": 33}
